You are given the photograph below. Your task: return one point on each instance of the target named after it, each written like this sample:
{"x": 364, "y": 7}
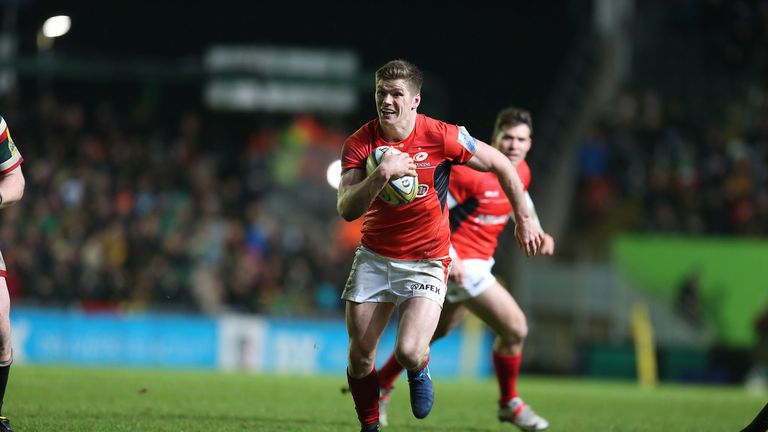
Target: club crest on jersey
{"x": 421, "y": 192}
{"x": 419, "y": 158}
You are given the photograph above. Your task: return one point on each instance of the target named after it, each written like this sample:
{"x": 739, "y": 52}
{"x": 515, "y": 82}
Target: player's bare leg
{"x": 496, "y": 307}
{"x": 418, "y": 320}
{"x": 450, "y": 317}
{"x": 365, "y": 324}
{"x": 6, "y": 354}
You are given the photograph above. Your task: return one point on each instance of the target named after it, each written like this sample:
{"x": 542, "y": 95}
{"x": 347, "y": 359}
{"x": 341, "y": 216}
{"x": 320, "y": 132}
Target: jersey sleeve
{"x": 10, "y": 157}
{"x": 460, "y": 146}
{"x": 356, "y": 150}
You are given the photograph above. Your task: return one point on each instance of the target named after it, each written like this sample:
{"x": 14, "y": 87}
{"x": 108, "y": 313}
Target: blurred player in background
{"x": 479, "y": 211}
{"x": 11, "y": 190}
{"x": 403, "y": 259}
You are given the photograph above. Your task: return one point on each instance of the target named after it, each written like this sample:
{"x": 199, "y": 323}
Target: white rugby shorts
{"x": 477, "y": 279}
{"x": 378, "y": 279}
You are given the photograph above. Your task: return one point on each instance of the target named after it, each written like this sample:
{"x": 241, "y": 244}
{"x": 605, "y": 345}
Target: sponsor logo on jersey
{"x": 491, "y": 194}
{"x": 415, "y": 286}
{"x": 11, "y": 145}
{"x": 485, "y": 219}
{"x": 421, "y": 192}
{"x": 420, "y": 156}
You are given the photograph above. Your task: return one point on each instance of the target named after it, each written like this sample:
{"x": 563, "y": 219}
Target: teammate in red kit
{"x": 479, "y": 211}
{"x": 403, "y": 259}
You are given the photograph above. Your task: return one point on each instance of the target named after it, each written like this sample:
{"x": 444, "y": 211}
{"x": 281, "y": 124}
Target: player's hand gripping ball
{"x": 397, "y": 191}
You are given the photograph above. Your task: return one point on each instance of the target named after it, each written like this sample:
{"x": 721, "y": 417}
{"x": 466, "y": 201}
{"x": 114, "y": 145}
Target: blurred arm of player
{"x": 457, "y": 265}
{"x": 547, "y": 242}
{"x": 11, "y": 187}
{"x": 529, "y": 236}
{"x": 357, "y": 192}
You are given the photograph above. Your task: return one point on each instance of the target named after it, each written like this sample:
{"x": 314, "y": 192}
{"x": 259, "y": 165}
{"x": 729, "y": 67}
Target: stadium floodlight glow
{"x": 333, "y": 174}
{"x": 56, "y": 26}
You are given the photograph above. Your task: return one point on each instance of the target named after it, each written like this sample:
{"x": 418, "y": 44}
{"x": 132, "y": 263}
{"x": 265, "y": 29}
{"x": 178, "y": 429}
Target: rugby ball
{"x": 397, "y": 191}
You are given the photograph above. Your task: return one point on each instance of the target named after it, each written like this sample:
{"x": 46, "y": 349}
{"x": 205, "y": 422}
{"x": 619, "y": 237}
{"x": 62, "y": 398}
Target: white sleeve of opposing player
{"x": 532, "y": 210}
{"x": 451, "y": 201}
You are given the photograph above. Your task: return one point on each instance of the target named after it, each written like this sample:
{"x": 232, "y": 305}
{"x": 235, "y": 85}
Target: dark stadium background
{"x": 478, "y": 58}
{"x": 612, "y": 172}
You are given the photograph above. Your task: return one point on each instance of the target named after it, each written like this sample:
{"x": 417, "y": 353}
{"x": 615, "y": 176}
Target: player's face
{"x": 514, "y": 142}
{"x": 395, "y": 102}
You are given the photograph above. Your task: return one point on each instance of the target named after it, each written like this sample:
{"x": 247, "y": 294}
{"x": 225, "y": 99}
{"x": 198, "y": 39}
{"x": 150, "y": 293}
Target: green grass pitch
{"x": 81, "y": 399}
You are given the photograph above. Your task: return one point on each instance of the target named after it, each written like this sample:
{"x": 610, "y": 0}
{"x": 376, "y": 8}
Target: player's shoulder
{"x": 366, "y": 132}
{"x": 524, "y": 172}
{"x": 2, "y": 123}
{"x": 433, "y": 124}
{"x": 436, "y": 130}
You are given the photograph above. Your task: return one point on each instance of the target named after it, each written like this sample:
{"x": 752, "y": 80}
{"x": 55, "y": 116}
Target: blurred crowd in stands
{"x": 649, "y": 165}
{"x": 131, "y": 209}
{"x": 140, "y": 209}
{"x": 683, "y": 148}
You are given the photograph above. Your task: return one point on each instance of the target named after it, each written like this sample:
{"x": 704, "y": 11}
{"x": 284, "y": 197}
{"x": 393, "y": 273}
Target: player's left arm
{"x": 11, "y": 187}
{"x": 487, "y": 158}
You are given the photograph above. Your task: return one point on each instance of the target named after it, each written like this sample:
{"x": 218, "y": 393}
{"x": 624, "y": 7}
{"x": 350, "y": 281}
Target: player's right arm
{"x": 357, "y": 192}
{"x": 12, "y": 186}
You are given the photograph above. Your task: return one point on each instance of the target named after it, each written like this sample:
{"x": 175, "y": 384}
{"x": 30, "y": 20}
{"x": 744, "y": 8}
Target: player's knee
{"x": 360, "y": 366}
{"x": 521, "y": 329}
{"x": 361, "y": 360}
{"x": 516, "y": 331}
{"x": 410, "y": 355}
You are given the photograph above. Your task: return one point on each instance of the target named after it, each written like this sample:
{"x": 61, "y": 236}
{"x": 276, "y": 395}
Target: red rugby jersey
{"x": 482, "y": 210}
{"x": 418, "y": 230}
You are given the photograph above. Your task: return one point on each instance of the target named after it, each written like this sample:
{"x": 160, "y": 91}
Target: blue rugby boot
{"x": 422, "y": 392}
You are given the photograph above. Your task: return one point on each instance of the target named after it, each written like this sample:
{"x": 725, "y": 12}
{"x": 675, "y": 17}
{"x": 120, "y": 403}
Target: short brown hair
{"x": 404, "y": 70}
{"x": 510, "y": 117}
